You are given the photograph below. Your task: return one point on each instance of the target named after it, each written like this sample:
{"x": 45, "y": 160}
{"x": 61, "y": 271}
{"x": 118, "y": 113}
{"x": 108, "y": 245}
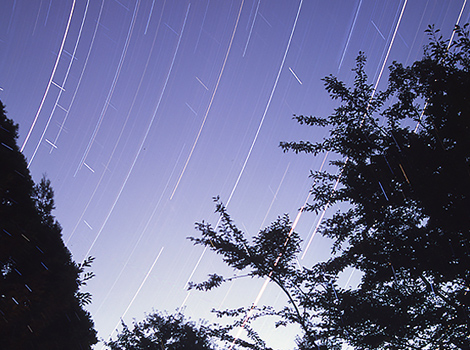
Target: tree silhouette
{"x": 271, "y": 254}
{"x": 40, "y": 300}
{"x": 170, "y": 332}
{"x": 402, "y": 181}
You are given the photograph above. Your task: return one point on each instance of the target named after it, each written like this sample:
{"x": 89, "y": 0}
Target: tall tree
{"x": 41, "y": 306}
{"x": 403, "y": 177}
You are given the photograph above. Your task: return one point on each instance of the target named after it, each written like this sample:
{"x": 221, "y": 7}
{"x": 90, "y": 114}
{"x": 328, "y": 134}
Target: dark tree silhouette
{"x": 271, "y": 254}
{"x": 40, "y": 298}
{"x": 170, "y": 332}
{"x": 402, "y": 180}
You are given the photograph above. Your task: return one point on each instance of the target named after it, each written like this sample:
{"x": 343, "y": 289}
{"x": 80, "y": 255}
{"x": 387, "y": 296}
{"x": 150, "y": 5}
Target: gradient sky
{"x": 140, "y": 111}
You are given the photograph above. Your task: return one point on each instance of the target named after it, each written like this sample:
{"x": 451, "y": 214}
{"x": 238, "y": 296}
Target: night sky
{"x": 140, "y": 111}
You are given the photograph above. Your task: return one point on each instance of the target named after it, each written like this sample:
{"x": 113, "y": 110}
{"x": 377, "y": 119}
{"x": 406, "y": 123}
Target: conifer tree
{"x": 41, "y": 306}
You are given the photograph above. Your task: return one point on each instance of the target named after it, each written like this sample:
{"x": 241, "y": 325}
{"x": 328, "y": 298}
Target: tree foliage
{"x": 40, "y": 300}
{"x": 271, "y": 254}
{"x": 171, "y": 332}
{"x": 175, "y": 332}
{"x": 402, "y": 181}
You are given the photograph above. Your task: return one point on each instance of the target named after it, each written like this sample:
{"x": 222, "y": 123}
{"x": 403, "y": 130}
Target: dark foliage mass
{"x": 41, "y": 305}
{"x": 175, "y": 332}
{"x": 161, "y": 331}
{"x": 402, "y": 179}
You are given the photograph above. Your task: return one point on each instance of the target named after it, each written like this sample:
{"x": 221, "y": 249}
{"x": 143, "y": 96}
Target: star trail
{"x": 140, "y": 111}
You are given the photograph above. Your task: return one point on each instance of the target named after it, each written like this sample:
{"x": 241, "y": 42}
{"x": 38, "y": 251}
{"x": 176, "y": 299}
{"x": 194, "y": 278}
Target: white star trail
{"x": 210, "y": 103}
{"x": 140, "y": 112}
{"x": 295, "y": 75}
{"x": 143, "y": 139}
{"x": 59, "y": 54}
{"x": 64, "y": 80}
{"x": 112, "y": 88}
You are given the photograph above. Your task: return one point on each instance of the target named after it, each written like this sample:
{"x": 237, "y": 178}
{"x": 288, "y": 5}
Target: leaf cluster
{"x": 272, "y": 252}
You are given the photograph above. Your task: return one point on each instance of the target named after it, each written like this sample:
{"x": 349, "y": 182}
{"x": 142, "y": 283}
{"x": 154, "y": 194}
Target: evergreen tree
{"x": 402, "y": 182}
{"x": 41, "y": 306}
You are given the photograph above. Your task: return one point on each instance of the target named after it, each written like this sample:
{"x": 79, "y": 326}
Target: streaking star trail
{"x": 140, "y": 112}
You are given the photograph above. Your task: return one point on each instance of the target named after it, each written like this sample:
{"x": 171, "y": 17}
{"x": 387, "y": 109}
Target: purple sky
{"x": 141, "y": 111}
